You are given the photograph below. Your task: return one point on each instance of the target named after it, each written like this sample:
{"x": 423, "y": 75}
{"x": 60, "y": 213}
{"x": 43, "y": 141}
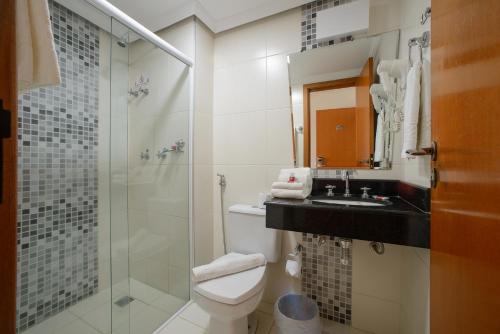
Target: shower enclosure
{"x": 104, "y": 181}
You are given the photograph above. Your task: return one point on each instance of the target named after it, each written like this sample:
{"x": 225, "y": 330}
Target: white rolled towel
{"x": 411, "y": 109}
{"x": 397, "y": 68}
{"x": 230, "y": 264}
{"x": 287, "y": 193}
{"x": 288, "y": 185}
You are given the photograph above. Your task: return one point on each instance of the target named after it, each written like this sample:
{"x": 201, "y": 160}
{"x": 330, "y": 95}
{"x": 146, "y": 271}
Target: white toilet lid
{"x": 235, "y": 288}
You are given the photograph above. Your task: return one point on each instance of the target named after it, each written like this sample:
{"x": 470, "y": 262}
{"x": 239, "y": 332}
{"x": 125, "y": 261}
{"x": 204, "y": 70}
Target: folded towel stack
{"x": 293, "y": 183}
{"x": 231, "y": 263}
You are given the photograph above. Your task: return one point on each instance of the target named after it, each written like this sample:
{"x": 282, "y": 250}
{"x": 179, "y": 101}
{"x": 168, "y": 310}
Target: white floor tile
{"x": 266, "y": 307}
{"x": 146, "y": 322}
{"x": 332, "y": 327}
{"x": 91, "y": 303}
{"x": 143, "y": 292}
{"x": 168, "y": 303}
{"x": 52, "y": 324}
{"x": 265, "y": 324}
{"x": 194, "y": 314}
{"x": 181, "y": 326}
{"x": 100, "y": 318}
{"x": 77, "y": 327}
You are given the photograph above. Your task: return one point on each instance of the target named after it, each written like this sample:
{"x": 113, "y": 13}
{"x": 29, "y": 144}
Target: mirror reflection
{"x": 340, "y": 109}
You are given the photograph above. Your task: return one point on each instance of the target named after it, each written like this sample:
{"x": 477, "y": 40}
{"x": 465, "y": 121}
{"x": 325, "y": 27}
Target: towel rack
{"x": 421, "y": 42}
{"x": 432, "y": 151}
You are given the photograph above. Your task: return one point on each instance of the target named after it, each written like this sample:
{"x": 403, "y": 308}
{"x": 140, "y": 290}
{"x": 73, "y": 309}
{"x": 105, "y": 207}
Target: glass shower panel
{"x": 150, "y": 108}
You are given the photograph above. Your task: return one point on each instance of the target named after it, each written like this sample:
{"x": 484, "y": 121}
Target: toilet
{"x": 230, "y": 299}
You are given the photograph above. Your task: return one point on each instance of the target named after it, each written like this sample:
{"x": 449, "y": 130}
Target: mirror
{"x": 338, "y": 121}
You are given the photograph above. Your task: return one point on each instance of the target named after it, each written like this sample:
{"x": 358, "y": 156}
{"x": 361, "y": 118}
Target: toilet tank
{"x": 247, "y": 232}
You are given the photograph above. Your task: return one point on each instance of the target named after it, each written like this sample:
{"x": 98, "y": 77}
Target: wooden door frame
{"x": 317, "y": 87}
{"x": 8, "y": 207}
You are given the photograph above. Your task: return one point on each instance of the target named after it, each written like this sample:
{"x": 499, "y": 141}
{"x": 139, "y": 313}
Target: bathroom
{"x": 258, "y": 167}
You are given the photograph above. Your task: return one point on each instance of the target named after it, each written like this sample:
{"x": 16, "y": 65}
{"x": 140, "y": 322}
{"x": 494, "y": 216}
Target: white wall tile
{"x": 240, "y": 138}
{"x": 240, "y": 44}
{"x": 375, "y": 315}
{"x": 240, "y": 88}
{"x": 283, "y": 32}
{"x": 203, "y": 214}
{"x": 203, "y": 139}
{"x": 377, "y": 275}
{"x": 415, "y": 291}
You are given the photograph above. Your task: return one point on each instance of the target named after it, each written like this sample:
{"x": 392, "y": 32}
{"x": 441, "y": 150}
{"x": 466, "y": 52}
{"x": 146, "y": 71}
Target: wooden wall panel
{"x": 465, "y": 225}
{"x": 8, "y": 94}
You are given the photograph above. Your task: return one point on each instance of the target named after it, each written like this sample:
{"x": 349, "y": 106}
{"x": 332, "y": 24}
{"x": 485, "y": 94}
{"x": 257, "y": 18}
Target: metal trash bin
{"x": 297, "y": 314}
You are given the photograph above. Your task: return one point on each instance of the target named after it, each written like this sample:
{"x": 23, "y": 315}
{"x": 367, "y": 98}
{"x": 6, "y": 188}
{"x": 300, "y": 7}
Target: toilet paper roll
{"x": 293, "y": 265}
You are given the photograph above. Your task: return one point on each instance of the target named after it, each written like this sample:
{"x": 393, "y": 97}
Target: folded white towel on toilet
{"x": 288, "y": 185}
{"x": 232, "y": 263}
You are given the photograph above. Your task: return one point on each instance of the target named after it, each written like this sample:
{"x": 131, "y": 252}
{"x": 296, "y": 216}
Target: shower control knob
{"x": 145, "y": 155}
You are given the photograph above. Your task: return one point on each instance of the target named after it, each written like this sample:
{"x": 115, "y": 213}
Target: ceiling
{"x": 218, "y": 15}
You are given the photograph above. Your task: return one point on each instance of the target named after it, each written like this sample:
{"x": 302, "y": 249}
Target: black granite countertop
{"x": 395, "y": 205}
{"x": 400, "y": 222}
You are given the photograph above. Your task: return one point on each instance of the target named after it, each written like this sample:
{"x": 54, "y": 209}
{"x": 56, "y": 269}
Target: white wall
{"x": 252, "y": 119}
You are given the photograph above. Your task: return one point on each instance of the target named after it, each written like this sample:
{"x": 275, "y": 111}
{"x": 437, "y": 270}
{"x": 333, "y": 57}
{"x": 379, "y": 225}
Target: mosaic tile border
{"x": 57, "y": 178}
{"x": 325, "y": 279}
{"x": 308, "y": 24}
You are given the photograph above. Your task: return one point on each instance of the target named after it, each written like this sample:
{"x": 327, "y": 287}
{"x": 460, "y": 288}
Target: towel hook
{"x": 425, "y": 16}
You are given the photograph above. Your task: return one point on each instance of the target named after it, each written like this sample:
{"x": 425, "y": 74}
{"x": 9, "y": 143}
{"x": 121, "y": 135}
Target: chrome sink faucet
{"x": 345, "y": 176}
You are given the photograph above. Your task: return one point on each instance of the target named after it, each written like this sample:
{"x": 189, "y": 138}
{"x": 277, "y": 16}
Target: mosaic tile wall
{"x": 308, "y": 29}
{"x": 57, "y": 185}
{"x": 325, "y": 279}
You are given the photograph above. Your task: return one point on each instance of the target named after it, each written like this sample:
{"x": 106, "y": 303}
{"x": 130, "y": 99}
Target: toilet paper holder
{"x": 297, "y": 249}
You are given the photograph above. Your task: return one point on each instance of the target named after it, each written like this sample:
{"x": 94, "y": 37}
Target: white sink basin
{"x": 349, "y": 202}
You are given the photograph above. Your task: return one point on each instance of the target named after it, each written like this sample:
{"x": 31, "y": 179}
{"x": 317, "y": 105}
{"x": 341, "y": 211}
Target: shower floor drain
{"x": 124, "y": 301}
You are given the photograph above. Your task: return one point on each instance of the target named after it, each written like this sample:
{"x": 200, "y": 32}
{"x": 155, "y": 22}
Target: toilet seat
{"x": 235, "y": 288}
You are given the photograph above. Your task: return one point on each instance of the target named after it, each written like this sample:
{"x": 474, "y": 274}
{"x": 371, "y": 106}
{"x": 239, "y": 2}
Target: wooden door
{"x": 465, "y": 223}
{"x": 8, "y": 98}
{"x": 364, "y": 116}
{"x": 336, "y": 137}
